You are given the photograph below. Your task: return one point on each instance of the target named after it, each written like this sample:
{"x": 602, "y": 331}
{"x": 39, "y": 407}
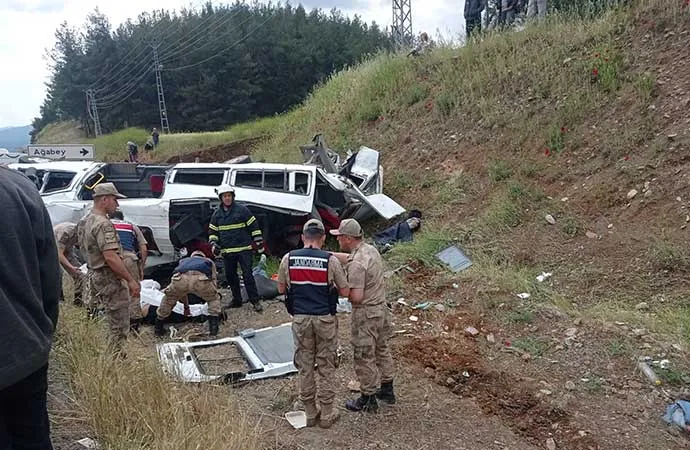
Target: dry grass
{"x": 131, "y": 404}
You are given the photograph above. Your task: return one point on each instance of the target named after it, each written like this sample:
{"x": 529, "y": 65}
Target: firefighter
{"x": 233, "y": 234}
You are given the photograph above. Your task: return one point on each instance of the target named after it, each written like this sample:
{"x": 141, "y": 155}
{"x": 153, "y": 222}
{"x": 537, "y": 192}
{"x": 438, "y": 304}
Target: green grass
{"x": 532, "y": 345}
{"x": 113, "y": 146}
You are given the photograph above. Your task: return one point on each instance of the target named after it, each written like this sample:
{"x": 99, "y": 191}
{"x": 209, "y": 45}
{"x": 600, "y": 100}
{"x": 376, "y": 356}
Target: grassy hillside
{"x": 585, "y": 122}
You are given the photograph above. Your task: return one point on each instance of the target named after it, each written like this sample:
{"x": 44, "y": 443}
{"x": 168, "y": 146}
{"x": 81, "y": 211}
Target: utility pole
{"x": 402, "y": 23}
{"x": 93, "y": 111}
{"x": 165, "y": 127}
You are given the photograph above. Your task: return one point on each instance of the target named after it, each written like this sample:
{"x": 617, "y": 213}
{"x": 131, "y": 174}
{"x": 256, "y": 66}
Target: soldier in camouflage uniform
{"x": 371, "y": 318}
{"x": 312, "y": 279}
{"x": 111, "y": 283}
{"x": 66, "y": 239}
{"x": 194, "y": 275}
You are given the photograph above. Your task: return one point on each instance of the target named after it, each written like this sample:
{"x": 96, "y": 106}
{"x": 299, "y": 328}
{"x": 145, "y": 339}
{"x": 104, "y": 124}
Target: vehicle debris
{"x": 454, "y": 258}
{"x": 267, "y": 353}
{"x": 298, "y": 419}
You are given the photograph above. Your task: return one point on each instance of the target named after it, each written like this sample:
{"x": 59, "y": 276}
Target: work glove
{"x": 215, "y": 249}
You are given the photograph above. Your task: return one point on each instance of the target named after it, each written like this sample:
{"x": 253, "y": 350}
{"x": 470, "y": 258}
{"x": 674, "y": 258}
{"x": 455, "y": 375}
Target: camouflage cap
{"x": 348, "y": 227}
{"x": 106, "y": 189}
{"x": 313, "y": 225}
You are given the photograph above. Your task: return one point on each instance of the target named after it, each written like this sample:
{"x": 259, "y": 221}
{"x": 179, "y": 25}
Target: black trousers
{"x": 244, "y": 259}
{"x": 473, "y": 25}
{"x": 24, "y": 423}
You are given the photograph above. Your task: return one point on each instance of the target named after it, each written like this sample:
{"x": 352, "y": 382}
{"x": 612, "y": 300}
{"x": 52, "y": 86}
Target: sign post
{"x": 62, "y": 151}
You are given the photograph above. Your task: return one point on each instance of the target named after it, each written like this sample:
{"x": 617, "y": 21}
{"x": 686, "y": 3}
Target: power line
{"x": 195, "y": 40}
{"x": 132, "y": 83}
{"x": 238, "y": 42}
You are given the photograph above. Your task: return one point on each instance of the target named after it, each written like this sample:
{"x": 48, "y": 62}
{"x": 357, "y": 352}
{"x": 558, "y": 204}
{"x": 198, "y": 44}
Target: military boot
{"x": 256, "y": 303}
{"x": 366, "y": 403}
{"x": 385, "y": 393}
{"x": 312, "y": 413}
{"x": 328, "y": 415}
{"x": 213, "y": 325}
{"x": 159, "y": 329}
{"x": 134, "y": 324}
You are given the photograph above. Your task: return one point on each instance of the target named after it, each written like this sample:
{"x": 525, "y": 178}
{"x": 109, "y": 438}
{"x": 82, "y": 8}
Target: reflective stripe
{"x": 212, "y": 237}
{"x": 236, "y": 249}
{"x": 213, "y": 227}
{"x": 234, "y": 226}
{"x": 251, "y": 220}
{"x": 256, "y": 233}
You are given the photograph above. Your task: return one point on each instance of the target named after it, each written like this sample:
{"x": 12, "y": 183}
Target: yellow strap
{"x": 213, "y": 227}
{"x": 212, "y": 237}
{"x": 251, "y": 220}
{"x": 256, "y": 233}
{"x": 234, "y": 226}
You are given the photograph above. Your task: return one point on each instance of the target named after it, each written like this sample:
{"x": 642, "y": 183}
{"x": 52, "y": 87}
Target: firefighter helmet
{"x": 224, "y": 189}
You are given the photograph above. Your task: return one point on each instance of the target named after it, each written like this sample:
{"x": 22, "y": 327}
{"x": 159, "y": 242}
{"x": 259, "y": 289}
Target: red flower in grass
{"x": 547, "y": 152}
{"x": 595, "y": 72}
{"x": 564, "y": 130}
{"x": 626, "y": 157}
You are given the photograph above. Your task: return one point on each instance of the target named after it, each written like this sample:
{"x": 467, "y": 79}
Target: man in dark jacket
{"x": 29, "y": 296}
{"x": 473, "y": 16}
{"x": 233, "y": 234}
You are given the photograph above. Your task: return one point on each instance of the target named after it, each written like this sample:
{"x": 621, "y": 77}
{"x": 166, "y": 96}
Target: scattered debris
{"x": 88, "y": 443}
{"x": 569, "y": 385}
{"x": 401, "y": 301}
{"x": 591, "y": 235}
{"x": 631, "y": 194}
{"x": 642, "y": 306}
{"x": 440, "y": 308}
{"x": 490, "y": 338}
{"x": 549, "y": 218}
{"x": 649, "y": 373}
{"x": 423, "y": 306}
{"x": 268, "y": 353}
{"x": 524, "y": 295}
{"x": 550, "y": 444}
{"x": 472, "y": 331}
{"x": 456, "y": 285}
{"x": 571, "y": 332}
{"x": 454, "y": 258}
{"x": 298, "y": 419}
{"x": 414, "y": 318}
{"x": 544, "y": 276}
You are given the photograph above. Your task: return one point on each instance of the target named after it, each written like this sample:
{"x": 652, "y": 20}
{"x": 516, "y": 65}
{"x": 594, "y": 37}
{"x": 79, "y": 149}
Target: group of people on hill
{"x": 506, "y": 11}
{"x": 151, "y": 143}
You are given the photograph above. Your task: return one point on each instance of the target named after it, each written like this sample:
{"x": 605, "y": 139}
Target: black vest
{"x": 309, "y": 290}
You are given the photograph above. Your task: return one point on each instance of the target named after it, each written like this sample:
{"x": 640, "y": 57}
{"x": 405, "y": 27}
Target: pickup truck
{"x": 172, "y": 204}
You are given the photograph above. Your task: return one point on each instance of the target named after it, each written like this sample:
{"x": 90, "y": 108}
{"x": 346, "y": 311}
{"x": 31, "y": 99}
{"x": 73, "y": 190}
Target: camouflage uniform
{"x": 96, "y": 235}
{"x": 316, "y": 344}
{"x": 192, "y": 282}
{"x": 66, "y": 239}
{"x": 371, "y": 320}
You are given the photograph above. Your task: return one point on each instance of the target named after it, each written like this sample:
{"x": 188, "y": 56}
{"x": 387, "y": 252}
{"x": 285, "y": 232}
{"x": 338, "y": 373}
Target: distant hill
{"x": 13, "y": 138}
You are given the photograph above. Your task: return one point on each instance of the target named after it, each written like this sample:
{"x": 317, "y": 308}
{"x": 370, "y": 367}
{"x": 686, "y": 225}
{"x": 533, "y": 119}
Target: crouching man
{"x": 312, "y": 279}
{"x": 193, "y": 275}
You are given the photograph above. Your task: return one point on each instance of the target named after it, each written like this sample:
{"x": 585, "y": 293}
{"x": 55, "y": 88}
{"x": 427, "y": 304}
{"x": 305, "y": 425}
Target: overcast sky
{"x": 27, "y": 30}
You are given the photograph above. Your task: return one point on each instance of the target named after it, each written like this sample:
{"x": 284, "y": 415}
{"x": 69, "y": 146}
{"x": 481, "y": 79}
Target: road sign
{"x": 66, "y": 151}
